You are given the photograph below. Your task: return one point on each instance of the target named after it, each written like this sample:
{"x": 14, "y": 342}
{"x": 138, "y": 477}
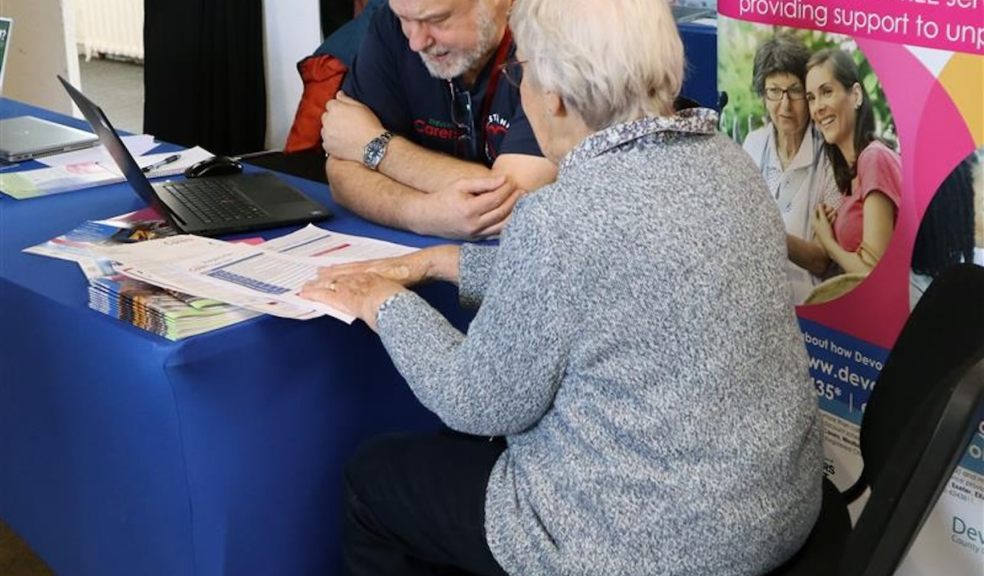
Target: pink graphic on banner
{"x": 943, "y": 142}
{"x": 956, "y": 25}
{"x": 930, "y": 128}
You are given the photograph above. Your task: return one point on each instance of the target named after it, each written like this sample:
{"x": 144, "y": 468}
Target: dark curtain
{"x": 334, "y": 13}
{"x": 203, "y": 74}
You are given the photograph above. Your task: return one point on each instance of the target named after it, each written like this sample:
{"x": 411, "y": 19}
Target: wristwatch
{"x": 374, "y": 151}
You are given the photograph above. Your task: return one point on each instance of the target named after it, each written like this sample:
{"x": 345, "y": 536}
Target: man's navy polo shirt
{"x": 392, "y": 80}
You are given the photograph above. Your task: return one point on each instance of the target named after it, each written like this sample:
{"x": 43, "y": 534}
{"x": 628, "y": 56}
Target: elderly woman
{"x": 868, "y": 173}
{"x": 789, "y": 152}
{"x": 634, "y": 377}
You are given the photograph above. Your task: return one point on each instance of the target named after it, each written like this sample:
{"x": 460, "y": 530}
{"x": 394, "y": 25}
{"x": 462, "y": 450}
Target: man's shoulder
{"x": 385, "y": 27}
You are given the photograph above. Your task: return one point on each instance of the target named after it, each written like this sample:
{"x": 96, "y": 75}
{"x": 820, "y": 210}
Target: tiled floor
{"x": 118, "y": 89}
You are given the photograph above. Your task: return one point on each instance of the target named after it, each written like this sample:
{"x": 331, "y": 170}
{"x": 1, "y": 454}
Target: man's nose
{"x": 418, "y": 36}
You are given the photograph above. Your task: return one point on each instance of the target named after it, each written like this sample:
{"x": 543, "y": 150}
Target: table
{"x": 124, "y": 453}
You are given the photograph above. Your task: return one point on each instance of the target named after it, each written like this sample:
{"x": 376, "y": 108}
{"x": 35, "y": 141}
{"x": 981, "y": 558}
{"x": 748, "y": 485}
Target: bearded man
{"x": 427, "y": 134}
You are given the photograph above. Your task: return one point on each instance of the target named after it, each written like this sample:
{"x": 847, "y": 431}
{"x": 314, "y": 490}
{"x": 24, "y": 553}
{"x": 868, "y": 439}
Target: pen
{"x": 164, "y": 162}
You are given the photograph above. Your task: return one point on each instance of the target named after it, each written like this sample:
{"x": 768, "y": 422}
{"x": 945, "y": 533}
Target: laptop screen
{"x": 6, "y": 24}
{"x": 114, "y": 145}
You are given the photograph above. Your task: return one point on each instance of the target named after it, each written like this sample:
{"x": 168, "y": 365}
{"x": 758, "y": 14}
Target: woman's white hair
{"x": 611, "y": 61}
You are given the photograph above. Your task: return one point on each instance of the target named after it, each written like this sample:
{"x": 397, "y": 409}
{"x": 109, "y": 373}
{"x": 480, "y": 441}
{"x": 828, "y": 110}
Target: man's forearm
{"x": 470, "y": 208}
{"x": 374, "y": 196}
{"x": 426, "y": 170}
{"x": 430, "y": 172}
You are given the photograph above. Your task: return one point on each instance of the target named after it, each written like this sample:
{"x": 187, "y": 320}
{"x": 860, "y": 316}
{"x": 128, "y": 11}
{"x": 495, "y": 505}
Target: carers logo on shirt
{"x": 436, "y": 129}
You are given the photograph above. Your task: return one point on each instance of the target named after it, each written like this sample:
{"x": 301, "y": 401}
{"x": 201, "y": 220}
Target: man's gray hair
{"x": 611, "y": 61}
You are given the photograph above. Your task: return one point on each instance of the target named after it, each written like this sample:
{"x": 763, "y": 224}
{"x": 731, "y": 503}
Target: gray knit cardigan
{"x": 636, "y": 347}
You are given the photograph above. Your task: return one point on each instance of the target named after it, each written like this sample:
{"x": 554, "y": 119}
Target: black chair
{"x": 916, "y": 427}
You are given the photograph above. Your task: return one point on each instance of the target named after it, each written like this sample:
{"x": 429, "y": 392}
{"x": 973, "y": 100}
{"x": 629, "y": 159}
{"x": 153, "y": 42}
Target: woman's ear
{"x": 857, "y": 95}
{"x": 554, "y": 104}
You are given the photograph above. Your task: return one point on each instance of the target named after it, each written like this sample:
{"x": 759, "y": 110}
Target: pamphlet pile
{"x": 167, "y": 313}
{"x": 177, "y": 286}
{"x": 265, "y": 277}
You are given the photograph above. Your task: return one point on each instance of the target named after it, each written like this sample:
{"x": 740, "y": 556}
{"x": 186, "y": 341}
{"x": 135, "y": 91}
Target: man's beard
{"x": 457, "y": 63}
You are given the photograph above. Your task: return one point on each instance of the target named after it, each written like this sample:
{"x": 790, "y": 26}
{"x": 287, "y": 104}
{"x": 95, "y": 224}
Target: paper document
{"x": 165, "y": 312}
{"x": 273, "y": 271}
{"x": 65, "y": 178}
{"x": 45, "y": 181}
{"x": 77, "y": 245}
{"x": 153, "y": 265}
{"x": 186, "y": 158}
{"x": 329, "y": 248}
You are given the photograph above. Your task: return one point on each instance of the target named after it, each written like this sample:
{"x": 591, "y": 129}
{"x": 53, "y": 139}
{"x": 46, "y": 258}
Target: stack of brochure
{"x": 179, "y": 285}
{"x": 172, "y": 315}
{"x": 167, "y": 313}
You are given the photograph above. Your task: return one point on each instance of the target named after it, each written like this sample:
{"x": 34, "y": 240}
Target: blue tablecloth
{"x": 124, "y": 453}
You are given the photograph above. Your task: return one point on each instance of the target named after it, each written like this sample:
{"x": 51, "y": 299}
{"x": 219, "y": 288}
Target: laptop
{"x": 206, "y": 206}
{"x": 27, "y": 137}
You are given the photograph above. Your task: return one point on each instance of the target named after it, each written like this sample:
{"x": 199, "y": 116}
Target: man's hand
{"x": 471, "y": 208}
{"x": 347, "y": 125}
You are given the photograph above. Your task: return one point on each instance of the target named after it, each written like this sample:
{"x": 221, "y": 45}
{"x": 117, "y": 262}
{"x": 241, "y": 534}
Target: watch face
{"x": 374, "y": 152}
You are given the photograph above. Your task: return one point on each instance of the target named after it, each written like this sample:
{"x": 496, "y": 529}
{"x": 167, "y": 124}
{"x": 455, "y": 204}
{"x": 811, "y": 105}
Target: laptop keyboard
{"x": 214, "y": 200}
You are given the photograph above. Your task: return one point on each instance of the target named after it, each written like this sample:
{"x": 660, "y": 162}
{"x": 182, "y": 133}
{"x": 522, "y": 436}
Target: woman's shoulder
{"x": 757, "y": 139}
{"x": 537, "y": 208}
{"x": 879, "y": 152}
{"x": 733, "y": 158}
{"x": 880, "y": 168}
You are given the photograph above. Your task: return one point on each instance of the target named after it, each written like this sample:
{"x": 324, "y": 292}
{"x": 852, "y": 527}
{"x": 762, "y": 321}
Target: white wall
{"x": 42, "y": 45}
{"x": 292, "y": 30}
{"x": 113, "y": 27}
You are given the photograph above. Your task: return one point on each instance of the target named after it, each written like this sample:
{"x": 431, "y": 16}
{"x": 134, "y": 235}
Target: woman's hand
{"x": 359, "y": 294}
{"x": 360, "y": 288}
{"x": 823, "y": 228}
{"x": 436, "y": 263}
